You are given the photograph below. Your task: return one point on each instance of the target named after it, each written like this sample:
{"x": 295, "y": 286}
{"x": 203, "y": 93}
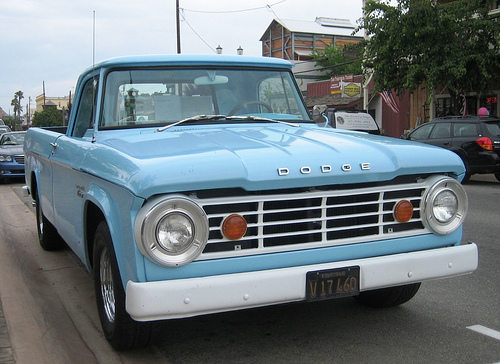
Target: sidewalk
{"x": 48, "y": 313}
{"x": 6, "y": 356}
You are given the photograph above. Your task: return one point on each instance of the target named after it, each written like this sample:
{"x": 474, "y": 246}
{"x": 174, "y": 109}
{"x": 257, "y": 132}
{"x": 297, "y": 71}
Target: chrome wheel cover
{"x": 107, "y": 286}
{"x": 39, "y": 219}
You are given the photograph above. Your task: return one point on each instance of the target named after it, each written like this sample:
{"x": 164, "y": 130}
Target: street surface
{"x": 49, "y": 307}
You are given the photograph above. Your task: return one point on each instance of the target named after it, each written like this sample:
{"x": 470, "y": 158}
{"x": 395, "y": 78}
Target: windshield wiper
{"x": 192, "y": 118}
{"x": 217, "y": 117}
{"x": 258, "y": 118}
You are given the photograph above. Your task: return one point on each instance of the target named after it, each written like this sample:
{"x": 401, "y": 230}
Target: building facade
{"x": 296, "y": 40}
{"x": 61, "y": 103}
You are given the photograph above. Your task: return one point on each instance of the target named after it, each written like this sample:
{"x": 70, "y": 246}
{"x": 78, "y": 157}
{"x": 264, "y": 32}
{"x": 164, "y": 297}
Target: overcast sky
{"x": 51, "y": 40}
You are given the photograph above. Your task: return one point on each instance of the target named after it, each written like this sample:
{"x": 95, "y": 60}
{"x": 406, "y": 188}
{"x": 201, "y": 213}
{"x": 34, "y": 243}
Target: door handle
{"x": 54, "y": 146}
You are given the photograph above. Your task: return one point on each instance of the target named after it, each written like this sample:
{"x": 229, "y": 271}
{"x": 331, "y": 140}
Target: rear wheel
{"x": 388, "y": 297}
{"x": 122, "y": 332}
{"x": 48, "y": 236}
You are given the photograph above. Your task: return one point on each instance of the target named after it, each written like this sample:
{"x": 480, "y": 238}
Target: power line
{"x": 182, "y": 10}
{"x": 269, "y": 7}
{"x": 234, "y": 11}
{"x": 194, "y": 31}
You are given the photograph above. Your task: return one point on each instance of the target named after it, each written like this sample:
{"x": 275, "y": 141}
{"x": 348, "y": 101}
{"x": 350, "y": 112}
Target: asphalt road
{"x": 49, "y": 307}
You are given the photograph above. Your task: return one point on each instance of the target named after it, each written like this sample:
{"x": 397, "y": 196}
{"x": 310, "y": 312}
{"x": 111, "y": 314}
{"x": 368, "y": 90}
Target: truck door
{"x": 69, "y": 182}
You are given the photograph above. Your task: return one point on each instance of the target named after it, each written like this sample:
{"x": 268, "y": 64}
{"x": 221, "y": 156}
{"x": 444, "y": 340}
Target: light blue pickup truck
{"x": 192, "y": 185}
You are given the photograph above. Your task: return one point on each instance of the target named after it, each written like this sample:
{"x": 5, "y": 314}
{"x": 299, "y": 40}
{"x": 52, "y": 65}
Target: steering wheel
{"x": 248, "y": 103}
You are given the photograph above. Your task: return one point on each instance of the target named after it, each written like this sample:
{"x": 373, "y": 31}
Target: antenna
{"x": 94, "y": 82}
{"x": 178, "y": 26}
{"x": 93, "y": 39}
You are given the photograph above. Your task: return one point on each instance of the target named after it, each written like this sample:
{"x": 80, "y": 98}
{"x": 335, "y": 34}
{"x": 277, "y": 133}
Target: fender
{"x": 120, "y": 223}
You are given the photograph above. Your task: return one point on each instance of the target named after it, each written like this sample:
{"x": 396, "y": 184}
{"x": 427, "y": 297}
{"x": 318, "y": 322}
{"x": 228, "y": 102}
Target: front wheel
{"x": 122, "y": 332}
{"x": 388, "y": 297}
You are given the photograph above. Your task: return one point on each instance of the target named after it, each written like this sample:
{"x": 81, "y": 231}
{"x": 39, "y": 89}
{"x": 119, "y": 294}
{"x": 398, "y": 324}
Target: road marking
{"x": 485, "y": 331}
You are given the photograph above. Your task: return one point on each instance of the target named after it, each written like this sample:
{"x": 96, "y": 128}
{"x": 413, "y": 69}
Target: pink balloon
{"x": 483, "y": 112}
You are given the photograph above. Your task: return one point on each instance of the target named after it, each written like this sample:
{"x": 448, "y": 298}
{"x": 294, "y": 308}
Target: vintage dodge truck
{"x": 192, "y": 185}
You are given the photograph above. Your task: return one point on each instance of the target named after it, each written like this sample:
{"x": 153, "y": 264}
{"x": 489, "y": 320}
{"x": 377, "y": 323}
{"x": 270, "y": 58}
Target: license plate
{"x": 332, "y": 283}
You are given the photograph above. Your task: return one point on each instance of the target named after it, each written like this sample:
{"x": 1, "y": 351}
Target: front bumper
{"x": 197, "y": 296}
{"x": 11, "y": 170}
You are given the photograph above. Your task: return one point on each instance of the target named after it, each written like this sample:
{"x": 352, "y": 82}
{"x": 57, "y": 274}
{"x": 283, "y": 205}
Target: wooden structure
{"x": 296, "y": 40}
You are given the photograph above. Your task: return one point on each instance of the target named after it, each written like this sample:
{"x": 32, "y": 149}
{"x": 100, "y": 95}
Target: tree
{"x": 454, "y": 45}
{"x": 339, "y": 60}
{"x": 48, "y": 117}
{"x": 16, "y": 102}
{"x": 10, "y": 121}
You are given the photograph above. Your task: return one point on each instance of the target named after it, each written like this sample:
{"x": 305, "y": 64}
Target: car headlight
{"x": 5, "y": 158}
{"x": 445, "y": 206}
{"x": 171, "y": 232}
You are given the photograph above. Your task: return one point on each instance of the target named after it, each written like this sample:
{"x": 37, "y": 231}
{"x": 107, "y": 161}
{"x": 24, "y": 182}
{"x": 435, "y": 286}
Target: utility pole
{"x": 367, "y": 74}
{"x": 178, "y": 27}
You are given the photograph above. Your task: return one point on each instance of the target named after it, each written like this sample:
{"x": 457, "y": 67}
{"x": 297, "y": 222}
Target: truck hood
{"x": 256, "y": 157}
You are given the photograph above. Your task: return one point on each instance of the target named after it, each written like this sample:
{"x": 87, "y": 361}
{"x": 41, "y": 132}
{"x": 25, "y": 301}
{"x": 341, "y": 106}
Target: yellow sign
{"x": 352, "y": 89}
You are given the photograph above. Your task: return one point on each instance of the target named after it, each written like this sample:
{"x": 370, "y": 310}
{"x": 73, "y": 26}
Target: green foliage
{"x": 10, "y": 121}
{"x": 48, "y": 117}
{"x": 16, "y": 102}
{"x": 337, "y": 60}
{"x": 454, "y": 44}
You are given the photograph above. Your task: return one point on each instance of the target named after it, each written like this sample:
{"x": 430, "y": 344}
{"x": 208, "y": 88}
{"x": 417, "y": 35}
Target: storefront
{"x": 443, "y": 105}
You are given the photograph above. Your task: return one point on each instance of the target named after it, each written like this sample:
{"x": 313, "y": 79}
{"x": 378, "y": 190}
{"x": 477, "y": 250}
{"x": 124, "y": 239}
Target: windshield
{"x": 12, "y": 139}
{"x": 165, "y": 96}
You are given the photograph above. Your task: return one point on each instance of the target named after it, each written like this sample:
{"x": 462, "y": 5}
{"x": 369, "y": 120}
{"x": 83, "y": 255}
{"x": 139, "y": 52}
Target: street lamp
{"x": 239, "y": 51}
{"x": 218, "y": 49}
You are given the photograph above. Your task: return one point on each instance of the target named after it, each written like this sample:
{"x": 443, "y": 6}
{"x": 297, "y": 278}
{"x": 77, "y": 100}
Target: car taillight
{"x": 485, "y": 143}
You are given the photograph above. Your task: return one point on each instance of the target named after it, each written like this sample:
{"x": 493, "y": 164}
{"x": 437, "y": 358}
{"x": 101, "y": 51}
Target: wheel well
{"x": 33, "y": 187}
{"x": 93, "y": 217}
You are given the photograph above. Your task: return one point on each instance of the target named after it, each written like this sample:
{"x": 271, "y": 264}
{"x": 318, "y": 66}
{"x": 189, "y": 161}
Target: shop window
{"x": 489, "y": 102}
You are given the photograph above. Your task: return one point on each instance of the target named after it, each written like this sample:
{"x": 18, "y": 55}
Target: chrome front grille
{"x": 19, "y": 158}
{"x": 313, "y": 218}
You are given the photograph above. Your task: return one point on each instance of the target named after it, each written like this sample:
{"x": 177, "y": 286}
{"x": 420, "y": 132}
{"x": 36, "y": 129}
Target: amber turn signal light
{"x": 234, "y": 227}
{"x": 403, "y": 211}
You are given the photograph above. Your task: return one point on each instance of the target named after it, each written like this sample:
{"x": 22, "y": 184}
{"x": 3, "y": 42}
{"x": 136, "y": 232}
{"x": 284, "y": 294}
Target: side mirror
{"x": 319, "y": 114}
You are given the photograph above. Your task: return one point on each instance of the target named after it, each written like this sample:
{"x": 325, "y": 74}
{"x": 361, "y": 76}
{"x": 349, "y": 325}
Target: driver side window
{"x": 85, "y": 114}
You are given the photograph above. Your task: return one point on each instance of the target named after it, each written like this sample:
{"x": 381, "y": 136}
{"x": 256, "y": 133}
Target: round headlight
{"x": 445, "y": 206}
{"x": 171, "y": 232}
{"x": 5, "y": 158}
{"x": 175, "y": 233}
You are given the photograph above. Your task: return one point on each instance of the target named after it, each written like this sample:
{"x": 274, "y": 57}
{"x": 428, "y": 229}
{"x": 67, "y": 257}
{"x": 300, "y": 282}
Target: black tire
{"x": 48, "y": 237}
{"x": 497, "y": 176}
{"x": 121, "y": 331}
{"x": 388, "y": 297}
